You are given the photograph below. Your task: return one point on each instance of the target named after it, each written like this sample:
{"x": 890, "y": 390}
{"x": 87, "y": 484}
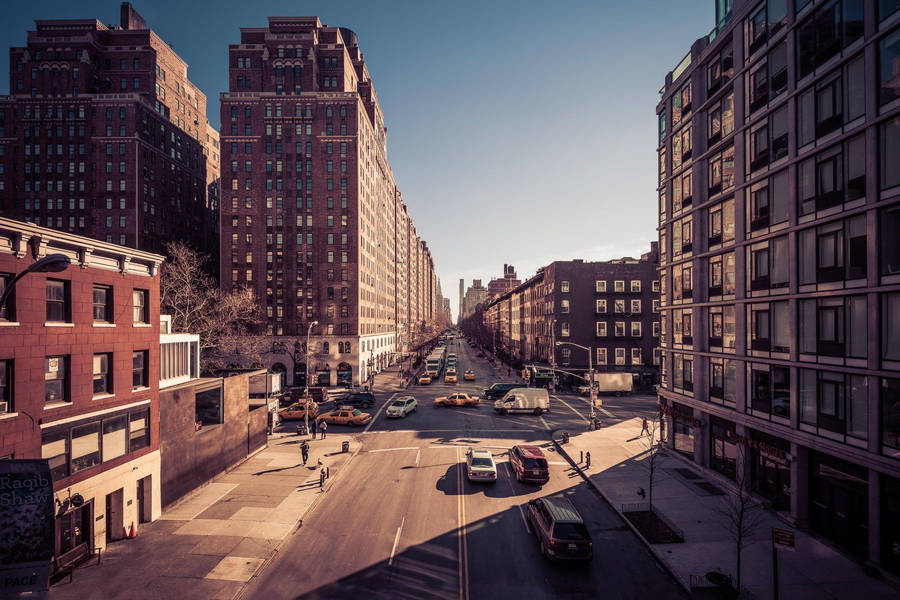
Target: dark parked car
{"x": 361, "y": 399}
{"x": 560, "y": 530}
{"x": 498, "y": 390}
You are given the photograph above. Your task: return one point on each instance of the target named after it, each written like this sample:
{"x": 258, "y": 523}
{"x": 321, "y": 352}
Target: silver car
{"x": 480, "y": 465}
{"x": 401, "y": 407}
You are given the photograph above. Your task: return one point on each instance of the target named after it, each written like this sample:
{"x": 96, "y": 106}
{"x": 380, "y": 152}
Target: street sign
{"x": 783, "y": 538}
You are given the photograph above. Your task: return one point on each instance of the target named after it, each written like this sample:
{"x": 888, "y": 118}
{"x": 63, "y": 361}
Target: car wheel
{"x": 503, "y": 411}
{"x": 538, "y": 411}
{"x": 618, "y": 394}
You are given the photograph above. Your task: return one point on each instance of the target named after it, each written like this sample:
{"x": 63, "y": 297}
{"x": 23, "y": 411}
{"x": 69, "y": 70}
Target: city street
{"x": 403, "y": 521}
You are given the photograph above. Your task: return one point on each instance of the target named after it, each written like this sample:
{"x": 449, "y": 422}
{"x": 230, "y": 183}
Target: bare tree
{"x": 741, "y": 516}
{"x": 227, "y": 322}
{"x": 653, "y": 448}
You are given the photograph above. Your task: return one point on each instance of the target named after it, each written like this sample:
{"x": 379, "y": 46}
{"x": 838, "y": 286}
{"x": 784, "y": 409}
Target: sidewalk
{"x": 210, "y": 543}
{"x": 814, "y": 571}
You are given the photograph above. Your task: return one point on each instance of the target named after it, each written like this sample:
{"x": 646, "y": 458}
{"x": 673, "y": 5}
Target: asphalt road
{"x": 402, "y": 521}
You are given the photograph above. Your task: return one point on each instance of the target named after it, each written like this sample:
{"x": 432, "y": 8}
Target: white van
{"x": 526, "y": 400}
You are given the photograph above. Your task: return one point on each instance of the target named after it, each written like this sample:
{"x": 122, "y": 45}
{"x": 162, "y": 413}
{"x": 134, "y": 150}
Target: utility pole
{"x": 590, "y": 378}
{"x": 306, "y": 391}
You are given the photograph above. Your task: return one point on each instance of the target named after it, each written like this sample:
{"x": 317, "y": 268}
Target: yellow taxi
{"x": 297, "y": 411}
{"x": 469, "y": 375}
{"x": 450, "y": 376}
{"x": 424, "y": 379}
{"x": 345, "y": 415}
{"x": 458, "y": 399}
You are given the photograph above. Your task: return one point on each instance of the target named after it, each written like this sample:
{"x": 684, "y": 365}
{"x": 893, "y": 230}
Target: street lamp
{"x": 306, "y": 391}
{"x": 53, "y": 263}
{"x": 590, "y": 377}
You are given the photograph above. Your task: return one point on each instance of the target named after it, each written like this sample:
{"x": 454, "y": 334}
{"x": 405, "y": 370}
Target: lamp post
{"x": 552, "y": 356}
{"x": 52, "y": 263}
{"x": 590, "y": 377}
{"x": 306, "y": 391}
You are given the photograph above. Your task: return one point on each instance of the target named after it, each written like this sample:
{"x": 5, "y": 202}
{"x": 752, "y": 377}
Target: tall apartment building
{"x": 79, "y": 381}
{"x": 462, "y": 286}
{"x": 311, "y": 219}
{"x": 608, "y": 307}
{"x": 104, "y": 135}
{"x": 779, "y": 208}
{"x": 475, "y": 295}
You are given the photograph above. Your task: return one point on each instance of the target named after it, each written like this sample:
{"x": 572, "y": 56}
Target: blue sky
{"x": 519, "y": 132}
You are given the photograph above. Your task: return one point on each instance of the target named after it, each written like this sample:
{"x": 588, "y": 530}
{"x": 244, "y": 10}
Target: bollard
{"x": 581, "y": 455}
{"x": 587, "y": 456}
{"x": 321, "y": 478}
{"x": 345, "y": 446}
{"x": 565, "y": 437}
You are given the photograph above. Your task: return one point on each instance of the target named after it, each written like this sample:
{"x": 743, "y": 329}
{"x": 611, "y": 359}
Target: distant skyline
{"x": 518, "y": 132}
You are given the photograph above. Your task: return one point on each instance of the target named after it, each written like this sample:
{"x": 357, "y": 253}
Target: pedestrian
{"x": 304, "y": 451}
{"x": 645, "y": 426}
{"x": 508, "y": 372}
{"x": 324, "y": 428}
{"x": 321, "y": 479}
{"x": 313, "y": 428}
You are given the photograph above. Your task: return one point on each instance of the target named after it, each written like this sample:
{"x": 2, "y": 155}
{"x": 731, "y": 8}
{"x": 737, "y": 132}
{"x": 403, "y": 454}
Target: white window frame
{"x": 616, "y": 306}
{"x": 600, "y": 286}
{"x": 635, "y": 354}
{"x": 601, "y": 329}
{"x": 564, "y": 287}
{"x": 600, "y": 306}
{"x": 620, "y": 356}
{"x": 655, "y": 328}
{"x": 635, "y": 329}
{"x": 657, "y": 356}
{"x": 564, "y": 330}
{"x": 655, "y": 305}
{"x": 635, "y": 285}
{"x": 635, "y": 306}
{"x": 601, "y": 356}
{"x": 619, "y": 286}
{"x": 616, "y": 329}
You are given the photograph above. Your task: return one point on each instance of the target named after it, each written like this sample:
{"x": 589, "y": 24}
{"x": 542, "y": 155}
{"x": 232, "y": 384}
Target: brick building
{"x": 79, "y": 366}
{"x": 779, "y": 207}
{"x": 609, "y": 307}
{"x": 508, "y": 281}
{"x": 311, "y": 218}
{"x": 475, "y": 295}
{"x": 104, "y": 135}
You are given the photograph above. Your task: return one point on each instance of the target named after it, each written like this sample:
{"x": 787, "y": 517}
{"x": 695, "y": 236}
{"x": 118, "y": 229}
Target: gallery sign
{"x": 27, "y": 516}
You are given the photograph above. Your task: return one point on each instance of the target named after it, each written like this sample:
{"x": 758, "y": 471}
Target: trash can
{"x": 565, "y": 437}
{"x": 345, "y": 446}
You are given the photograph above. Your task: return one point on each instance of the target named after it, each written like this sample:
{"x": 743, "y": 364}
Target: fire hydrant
{"x": 565, "y": 437}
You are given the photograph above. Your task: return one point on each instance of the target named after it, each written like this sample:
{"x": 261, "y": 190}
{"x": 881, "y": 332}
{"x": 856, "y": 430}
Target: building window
{"x": 601, "y": 356}
{"x": 7, "y": 378}
{"x": 721, "y": 171}
{"x": 768, "y": 264}
{"x": 55, "y": 449}
{"x": 138, "y": 429}
{"x": 636, "y": 356}
{"x": 636, "y": 306}
{"x": 833, "y": 326}
{"x": 635, "y": 285}
{"x": 85, "y": 447}
{"x": 890, "y": 326}
{"x": 620, "y": 328}
{"x": 141, "y": 306}
{"x": 833, "y": 176}
{"x": 619, "y": 305}
{"x": 58, "y": 303}
{"x": 564, "y": 286}
{"x": 209, "y": 410}
{"x": 620, "y": 356}
{"x": 721, "y": 119}
{"x": 102, "y": 374}
{"x": 834, "y": 402}
{"x": 114, "y": 437}
{"x": 889, "y": 242}
{"x": 833, "y": 26}
{"x": 890, "y": 413}
{"x": 721, "y": 327}
{"x": 601, "y": 305}
{"x": 833, "y": 252}
{"x": 600, "y": 286}
{"x": 889, "y": 149}
{"x": 7, "y": 311}
{"x": 564, "y": 330}
{"x": 635, "y": 329}
{"x": 56, "y": 379}
{"x": 102, "y": 304}
{"x": 140, "y": 362}
{"x": 564, "y": 306}
{"x": 601, "y": 328}
{"x": 722, "y": 377}
{"x": 769, "y": 390}
{"x": 619, "y": 286}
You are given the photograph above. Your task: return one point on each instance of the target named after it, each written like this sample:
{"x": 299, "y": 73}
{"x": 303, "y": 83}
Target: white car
{"x": 480, "y": 465}
{"x": 401, "y": 407}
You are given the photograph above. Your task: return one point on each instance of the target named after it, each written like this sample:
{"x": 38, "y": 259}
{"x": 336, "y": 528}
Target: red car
{"x": 529, "y": 464}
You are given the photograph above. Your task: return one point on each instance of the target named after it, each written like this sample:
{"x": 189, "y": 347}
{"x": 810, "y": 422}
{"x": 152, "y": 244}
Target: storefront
{"x": 74, "y": 538}
{"x": 323, "y": 375}
{"x": 890, "y": 524}
{"x": 683, "y": 424}
{"x": 344, "y": 374}
{"x": 770, "y": 468}
{"x": 722, "y": 447}
{"x": 839, "y": 502}
{"x": 300, "y": 375}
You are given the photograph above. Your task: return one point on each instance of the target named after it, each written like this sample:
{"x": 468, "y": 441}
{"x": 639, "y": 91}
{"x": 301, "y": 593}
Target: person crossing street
{"x": 304, "y": 451}
{"x": 645, "y": 426}
{"x": 323, "y": 427}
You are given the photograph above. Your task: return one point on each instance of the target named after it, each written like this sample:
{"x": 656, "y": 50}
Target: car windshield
{"x": 571, "y": 531}
{"x": 535, "y": 463}
{"x": 400, "y": 403}
{"x": 478, "y": 461}
{"x": 356, "y": 413}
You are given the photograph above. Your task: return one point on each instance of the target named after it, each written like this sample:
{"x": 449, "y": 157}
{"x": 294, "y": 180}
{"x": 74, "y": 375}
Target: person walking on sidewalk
{"x": 304, "y": 451}
{"x": 324, "y": 428}
{"x": 645, "y": 426}
{"x": 312, "y": 428}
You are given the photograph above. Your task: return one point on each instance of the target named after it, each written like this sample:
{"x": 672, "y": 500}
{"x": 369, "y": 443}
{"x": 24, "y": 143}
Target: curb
{"x": 659, "y": 559}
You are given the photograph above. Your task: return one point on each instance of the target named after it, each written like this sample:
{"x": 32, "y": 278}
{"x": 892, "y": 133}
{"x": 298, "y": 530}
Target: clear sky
{"x": 519, "y": 131}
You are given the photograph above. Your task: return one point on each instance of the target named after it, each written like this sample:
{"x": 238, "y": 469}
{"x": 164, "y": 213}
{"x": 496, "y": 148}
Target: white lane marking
{"x": 375, "y": 418}
{"x": 604, "y": 411}
{"x": 474, "y": 429}
{"x": 418, "y": 454}
{"x": 559, "y": 463}
{"x": 546, "y": 426}
{"x": 588, "y": 402}
{"x": 396, "y": 541}
{"x": 390, "y": 449}
{"x": 513, "y": 490}
{"x": 569, "y": 406}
